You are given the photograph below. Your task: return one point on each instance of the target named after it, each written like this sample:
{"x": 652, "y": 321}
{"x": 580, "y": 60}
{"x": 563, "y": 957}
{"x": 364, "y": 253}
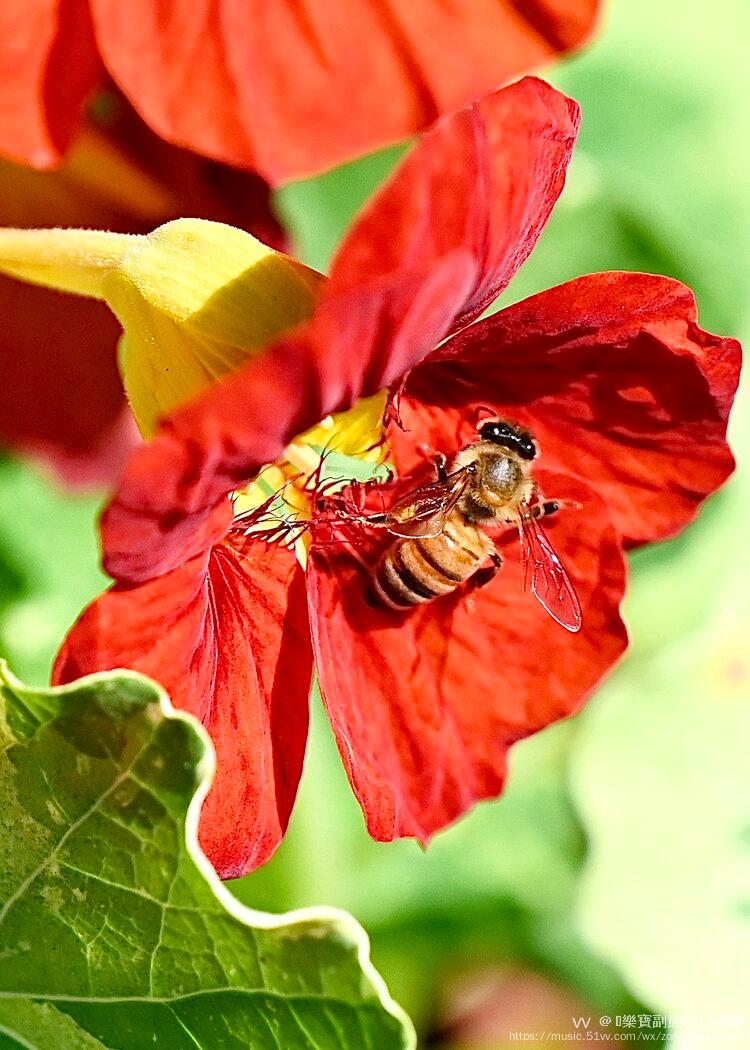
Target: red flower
{"x": 63, "y": 398}
{"x": 626, "y": 395}
{"x": 284, "y": 89}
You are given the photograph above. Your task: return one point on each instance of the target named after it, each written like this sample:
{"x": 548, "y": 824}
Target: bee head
{"x": 514, "y": 439}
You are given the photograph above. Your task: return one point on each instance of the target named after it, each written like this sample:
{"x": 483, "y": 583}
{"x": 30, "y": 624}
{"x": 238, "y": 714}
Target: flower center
{"x": 349, "y": 446}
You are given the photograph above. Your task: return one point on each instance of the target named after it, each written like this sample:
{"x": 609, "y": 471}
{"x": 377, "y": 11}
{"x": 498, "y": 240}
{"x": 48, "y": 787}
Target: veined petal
{"x": 280, "y": 88}
{"x": 226, "y": 635}
{"x": 425, "y": 704}
{"x": 480, "y": 184}
{"x": 616, "y": 381}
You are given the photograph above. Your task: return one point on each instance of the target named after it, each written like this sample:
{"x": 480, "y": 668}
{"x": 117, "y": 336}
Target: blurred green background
{"x": 613, "y": 878}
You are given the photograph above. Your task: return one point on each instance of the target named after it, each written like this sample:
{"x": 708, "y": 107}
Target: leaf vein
{"x": 117, "y": 782}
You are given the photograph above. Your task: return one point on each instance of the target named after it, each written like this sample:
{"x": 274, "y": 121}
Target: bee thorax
{"x": 500, "y": 482}
{"x": 501, "y": 475}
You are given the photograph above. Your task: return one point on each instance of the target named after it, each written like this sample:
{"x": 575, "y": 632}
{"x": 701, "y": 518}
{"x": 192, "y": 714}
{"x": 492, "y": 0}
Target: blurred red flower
{"x": 627, "y": 396}
{"x": 284, "y": 89}
{"x": 63, "y": 397}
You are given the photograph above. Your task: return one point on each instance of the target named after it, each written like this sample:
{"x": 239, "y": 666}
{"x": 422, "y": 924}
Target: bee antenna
{"x": 482, "y": 412}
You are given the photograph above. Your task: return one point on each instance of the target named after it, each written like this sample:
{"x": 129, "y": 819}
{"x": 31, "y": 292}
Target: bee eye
{"x": 506, "y": 436}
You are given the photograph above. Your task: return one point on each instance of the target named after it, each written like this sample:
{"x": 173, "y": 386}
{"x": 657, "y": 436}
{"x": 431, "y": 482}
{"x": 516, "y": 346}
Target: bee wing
{"x": 423, "y": 512}
{"x": 545, "y": 576}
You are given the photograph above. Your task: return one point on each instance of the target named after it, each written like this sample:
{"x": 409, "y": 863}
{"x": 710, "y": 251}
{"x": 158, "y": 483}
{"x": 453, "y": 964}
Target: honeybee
{"x": 439, "y": 528}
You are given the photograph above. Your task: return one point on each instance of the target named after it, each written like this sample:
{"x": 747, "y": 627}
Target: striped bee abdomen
{"x": 412, "y": 572}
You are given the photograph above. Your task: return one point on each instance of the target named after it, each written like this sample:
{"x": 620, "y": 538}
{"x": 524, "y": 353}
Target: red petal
{"x": 613, "y": 376}
{"x": 480, "y": 184}
{"x": 291, "y": 90}
{"x": 443, "y": 238}
{"x": 425, "y": 704}
{"x": 49, "y": 64}
{"x": 172, "y": 502}
{"x": 130, "y": 555}
{"x": 227, "y": 637}
{"x": 62, "y": 395}
{"x": 189, "y": 184}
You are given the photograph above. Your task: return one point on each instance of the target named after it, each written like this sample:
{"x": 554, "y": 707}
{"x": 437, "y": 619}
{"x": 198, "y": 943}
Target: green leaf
{"x": 114, "y": 930}
{"x": 661, "y": 782}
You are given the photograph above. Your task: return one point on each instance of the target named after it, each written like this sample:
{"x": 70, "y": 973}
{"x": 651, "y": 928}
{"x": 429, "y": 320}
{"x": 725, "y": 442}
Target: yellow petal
{"x": 69, "y": 260}
{"x": 353, "y": 445}
{"x": 357, "y": 432}
{"x": 196, "y": 299}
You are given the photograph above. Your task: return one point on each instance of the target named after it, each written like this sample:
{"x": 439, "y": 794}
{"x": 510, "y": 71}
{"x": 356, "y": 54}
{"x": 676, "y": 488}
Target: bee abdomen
{"x": 413, "y": 572}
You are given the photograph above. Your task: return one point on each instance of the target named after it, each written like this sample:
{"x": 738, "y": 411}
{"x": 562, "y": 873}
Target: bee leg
{"x": 543, "y": 510}
{"x": 439, "y": 461}
{"x": 487, "y": 573}
{"x": 552, "y": 506}
{"x": 441, "y": 466}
